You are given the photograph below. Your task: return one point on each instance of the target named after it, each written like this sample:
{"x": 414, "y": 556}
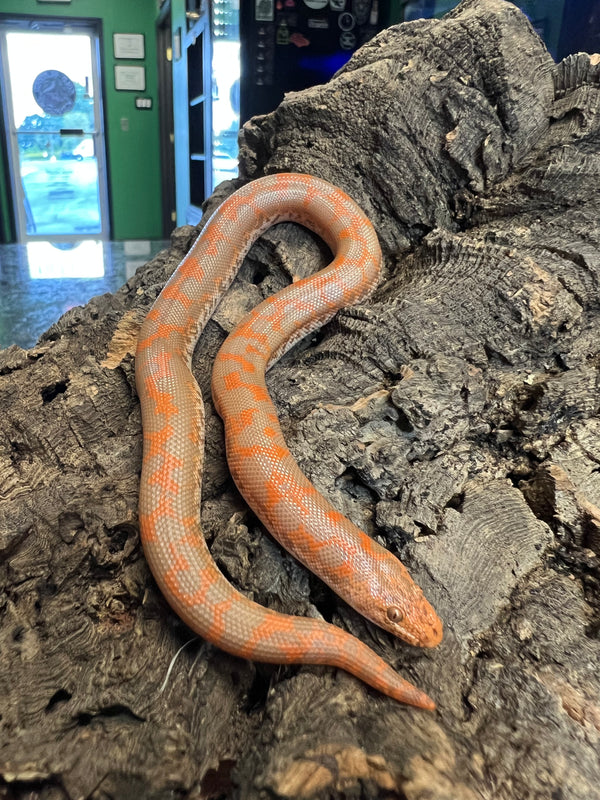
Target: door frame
{"x": 164, "y": 37}
{"x": 199, "y": 99}
{"x": 93, "y": 27}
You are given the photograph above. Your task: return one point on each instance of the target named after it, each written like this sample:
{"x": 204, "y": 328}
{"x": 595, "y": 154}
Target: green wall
{"x": 133, "y": 156}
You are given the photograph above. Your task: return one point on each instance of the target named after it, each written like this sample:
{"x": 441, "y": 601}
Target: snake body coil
{"x": 366, "y": 575}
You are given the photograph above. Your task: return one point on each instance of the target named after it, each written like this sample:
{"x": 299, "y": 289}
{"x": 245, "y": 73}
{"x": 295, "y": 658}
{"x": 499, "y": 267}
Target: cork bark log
{"x": 454, "y": 416}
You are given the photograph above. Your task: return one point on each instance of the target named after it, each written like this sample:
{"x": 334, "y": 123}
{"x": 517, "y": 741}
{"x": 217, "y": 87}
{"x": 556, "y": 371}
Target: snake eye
{"x": 394, "y": 614}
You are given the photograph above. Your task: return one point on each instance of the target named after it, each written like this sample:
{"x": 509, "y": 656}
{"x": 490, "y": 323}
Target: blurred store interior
{"x": 119, "y": 118}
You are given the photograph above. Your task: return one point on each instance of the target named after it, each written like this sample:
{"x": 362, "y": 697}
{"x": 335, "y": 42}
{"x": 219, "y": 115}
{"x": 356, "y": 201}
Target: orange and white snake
{"x": 362, "y": 572}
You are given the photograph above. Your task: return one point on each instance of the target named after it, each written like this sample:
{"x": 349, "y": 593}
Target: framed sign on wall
{"x": 130, "y": 79}
{"x": 128, "y": 45}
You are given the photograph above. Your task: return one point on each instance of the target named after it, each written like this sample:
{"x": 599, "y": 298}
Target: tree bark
{"x": 454, "y": 416}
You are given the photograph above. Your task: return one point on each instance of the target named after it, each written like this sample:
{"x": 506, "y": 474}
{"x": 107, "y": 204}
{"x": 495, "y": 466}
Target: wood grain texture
{"x": 455, "y": 416}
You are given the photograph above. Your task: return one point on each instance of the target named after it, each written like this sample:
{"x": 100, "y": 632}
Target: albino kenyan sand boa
{"x": 366, "y": 575}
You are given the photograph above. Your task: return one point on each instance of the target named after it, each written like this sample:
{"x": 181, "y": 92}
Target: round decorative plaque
{"x": 54, "y": 92}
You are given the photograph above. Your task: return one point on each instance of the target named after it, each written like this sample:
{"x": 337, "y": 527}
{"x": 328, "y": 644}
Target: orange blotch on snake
{"x": 155, "y": 441}
{"x": 147, "y": 527}
{"x": 171, "y": 579}
{"x": 232, "y": 381}
{"x": 195, "y": 435}
{"x": 248, "y": 333}
{"x": 229, "y": 211}
{"x": 175, "y": 292}
{"x": 273, "y": 451}
{"x": 263, "y": 630}
{"x": 238, "y": 358}
{"x": 241, "y": 421}
{"x": 259, "y": 393}
{"x": 164, "y": 477}
{"x": 219, "y": 610}
{"x": 335, "y": 517}
{"x": 163, "y": 401}
{"x": 251, "y": 349}
{"x": 281, "y": 485}
{"x": 165, "y": 329}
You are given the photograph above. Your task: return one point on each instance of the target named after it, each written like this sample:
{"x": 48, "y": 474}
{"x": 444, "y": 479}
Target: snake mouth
{"x": 409, "y": 638}
{"x": 428, "y": 636}
{"x": 434, "y": 639}
{"x": 433, "y": 635}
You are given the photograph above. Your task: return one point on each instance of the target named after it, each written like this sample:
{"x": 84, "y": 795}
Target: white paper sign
{"x": 128, "y": 45}
{"x": 130, "y": 79}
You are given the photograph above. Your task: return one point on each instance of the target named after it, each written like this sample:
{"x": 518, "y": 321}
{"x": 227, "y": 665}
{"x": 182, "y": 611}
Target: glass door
{"x": 225, "y": 89}
{"x": 53, "y": 118}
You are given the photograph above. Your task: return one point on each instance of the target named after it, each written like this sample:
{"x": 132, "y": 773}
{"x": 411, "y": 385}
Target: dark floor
{"x": 41, "y": 280}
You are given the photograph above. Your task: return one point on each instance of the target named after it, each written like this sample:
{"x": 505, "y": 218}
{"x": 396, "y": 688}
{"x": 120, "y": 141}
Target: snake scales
{"x": 362, "y": 572}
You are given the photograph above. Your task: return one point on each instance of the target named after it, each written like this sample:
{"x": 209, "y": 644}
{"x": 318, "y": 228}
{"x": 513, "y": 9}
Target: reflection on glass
{"x": 65, "y": 260}
{"x": 226, "y": 89}
{"x": 546, "y": 16}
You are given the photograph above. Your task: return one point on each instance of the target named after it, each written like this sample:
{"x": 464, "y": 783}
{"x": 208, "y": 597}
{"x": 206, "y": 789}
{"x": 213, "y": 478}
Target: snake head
{"x": 417, "y": 623}
{"x": 399, "y": 606}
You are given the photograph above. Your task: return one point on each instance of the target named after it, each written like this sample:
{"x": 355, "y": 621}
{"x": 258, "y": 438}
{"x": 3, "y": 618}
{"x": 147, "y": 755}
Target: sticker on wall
{"x": 319, "y": 24}
{"x": 54, "y": 92}
{"x": 299, "y": 39}
{"x": 348, "y": 40}
{"x": 264, "y": 10}
{"x": 283, "y": 34}
{"x": 316, "y": 4}
{"x": 346, "y": 21}
{"x": 337, "y": 5}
